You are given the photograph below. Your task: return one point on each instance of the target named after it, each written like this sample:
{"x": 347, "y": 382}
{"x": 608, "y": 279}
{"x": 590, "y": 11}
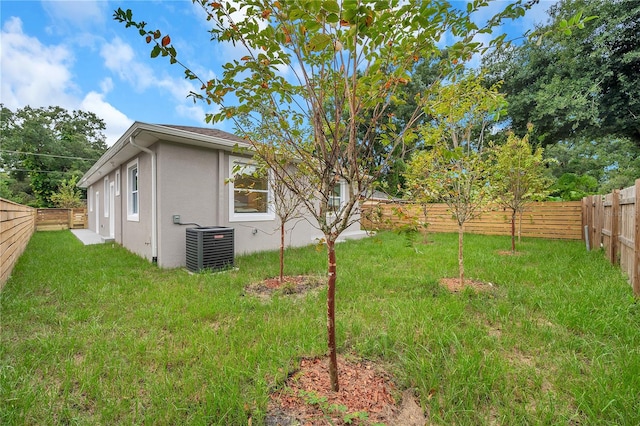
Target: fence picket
{"x": 614, "y": 219}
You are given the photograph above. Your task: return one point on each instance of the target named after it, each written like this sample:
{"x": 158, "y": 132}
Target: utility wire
{"x": 46, "y": 155}
{"x": 35, "y": 171}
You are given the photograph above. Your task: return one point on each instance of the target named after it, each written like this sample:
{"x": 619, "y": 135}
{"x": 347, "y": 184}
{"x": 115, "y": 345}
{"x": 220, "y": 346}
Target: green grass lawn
{"x": 96, "y": 335}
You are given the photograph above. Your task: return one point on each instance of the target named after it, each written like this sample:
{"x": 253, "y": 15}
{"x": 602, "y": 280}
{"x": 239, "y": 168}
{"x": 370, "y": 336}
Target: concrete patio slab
{"x": 88, "y": 237}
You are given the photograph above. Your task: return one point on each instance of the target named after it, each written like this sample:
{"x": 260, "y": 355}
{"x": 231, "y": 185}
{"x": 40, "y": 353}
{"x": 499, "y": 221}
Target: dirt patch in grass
{"x": 509, "y": 253}
{"x": 454, "y": 285}
{"x": 290, "y": 285}
{"x": 366, "y": 397}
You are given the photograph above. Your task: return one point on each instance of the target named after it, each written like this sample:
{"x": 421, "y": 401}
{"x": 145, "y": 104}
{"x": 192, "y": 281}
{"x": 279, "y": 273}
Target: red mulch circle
{"x": 366, "y": 391}
{"x": 298, "y": 284}
{"x": 365, "y": 397}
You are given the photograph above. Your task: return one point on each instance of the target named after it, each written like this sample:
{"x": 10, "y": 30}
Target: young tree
{"x": 518, "y": 177}
{"x": 454, "y": 168}
{"x": 322, "y": 76}
{"x": 68, "y": 195}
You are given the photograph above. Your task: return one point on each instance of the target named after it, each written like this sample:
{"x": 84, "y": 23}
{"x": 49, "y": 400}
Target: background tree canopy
{"x": 580, "y": 84}
{"x": 42, "y": 147}
{"x": 580, "y": 89}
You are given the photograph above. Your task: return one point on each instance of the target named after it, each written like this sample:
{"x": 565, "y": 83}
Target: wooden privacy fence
{"x": 612, "y": 222}
{"x": 57, "y": 219}
{"x": 17, "y": 224}
{"x": 555, "y": 220}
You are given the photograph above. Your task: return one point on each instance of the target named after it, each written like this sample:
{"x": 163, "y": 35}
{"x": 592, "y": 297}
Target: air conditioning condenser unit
{"x": 210, "y": 247}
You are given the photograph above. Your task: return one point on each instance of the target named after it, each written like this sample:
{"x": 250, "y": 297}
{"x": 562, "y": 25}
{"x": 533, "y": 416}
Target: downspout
{"x": 154, "y": 207}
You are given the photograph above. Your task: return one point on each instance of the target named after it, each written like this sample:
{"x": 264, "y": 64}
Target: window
{"x": 106, "y": 197}
{"x": 249, "y": 192}
{"x": 133, "y": 201}
{"x": 90, "y": 198}
{"x": 117, "y": 183}
{"x": 338, "y": 197}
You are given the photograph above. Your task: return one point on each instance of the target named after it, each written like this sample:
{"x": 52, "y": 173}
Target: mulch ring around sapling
{"x": 290, "y": 285}
{"x": 454, "y": 285}
{"x": 367, "y": 396}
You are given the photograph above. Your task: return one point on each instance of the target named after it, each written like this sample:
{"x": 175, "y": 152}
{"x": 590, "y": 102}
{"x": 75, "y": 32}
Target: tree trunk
{"x": 520, "y": 225}
{"x": 331, "y": 316}
{"x": 461, "y": 254}
{"x": 425, "y": 224}
{"x": 281, "y": 252}
{"x": 513, "y": 231}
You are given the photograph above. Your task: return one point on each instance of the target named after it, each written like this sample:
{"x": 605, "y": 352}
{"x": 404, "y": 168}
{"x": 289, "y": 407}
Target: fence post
{"x": 635, "y": 275}
{"x": 615, "y": 227}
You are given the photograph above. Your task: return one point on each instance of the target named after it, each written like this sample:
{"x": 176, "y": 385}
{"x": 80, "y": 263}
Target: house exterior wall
{"x": 136, "y": 235}
{"x": 192, "y": 184}
{"x": 187, "y": 186}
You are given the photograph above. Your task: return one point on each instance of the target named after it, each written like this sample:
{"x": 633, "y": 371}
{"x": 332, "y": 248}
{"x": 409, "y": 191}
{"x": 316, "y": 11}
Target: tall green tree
{"x": 45, "y": 146}
{"x": 346, "y": 64}
{"x": 518, "y": 177}
{"x": 581, "y": 85}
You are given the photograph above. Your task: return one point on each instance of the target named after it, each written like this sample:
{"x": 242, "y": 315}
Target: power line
{"x": 47, "y": 155}
{"x": 36, "y": 171}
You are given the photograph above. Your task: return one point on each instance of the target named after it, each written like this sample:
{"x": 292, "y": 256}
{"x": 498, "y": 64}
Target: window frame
{"x": 117, "y": 184}
{"x": 133, "y": 216}
{"x": 234, "y": 216}
{"x": 342, "y": 198}
{"x": 106, "y": 200}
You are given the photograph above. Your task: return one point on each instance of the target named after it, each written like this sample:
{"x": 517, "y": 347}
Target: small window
{"x": 338, "y": 197}
{"x": 133, "y": 201}
{"x": 250, "y": 194}
{"x": 90, "y": 198}
{"x": 106, "y": 197}
{"x": 117, "y": 185}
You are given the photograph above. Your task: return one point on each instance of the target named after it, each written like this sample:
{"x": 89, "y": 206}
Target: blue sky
{"x": 71, "y": 53}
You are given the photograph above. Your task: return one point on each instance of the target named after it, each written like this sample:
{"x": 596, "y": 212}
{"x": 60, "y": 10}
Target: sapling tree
{"x": 518, "y": 177}
{"x": 321, "y": 77}
{"x": 454, "y": 167}
{"x": 68, "y": 195}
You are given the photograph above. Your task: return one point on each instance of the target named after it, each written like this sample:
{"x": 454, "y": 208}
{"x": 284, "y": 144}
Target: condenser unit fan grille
{"x": 210, "y": 248}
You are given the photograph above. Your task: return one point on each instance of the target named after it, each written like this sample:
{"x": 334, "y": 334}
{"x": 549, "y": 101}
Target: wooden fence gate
{"x": 57, "y": 219}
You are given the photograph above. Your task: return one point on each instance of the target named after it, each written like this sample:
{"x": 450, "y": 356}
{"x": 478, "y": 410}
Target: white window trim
{"x": 248, "y": 217}
{"x": 117, "y": 185}
{"x": 106, "y": 196}
{"x": 132, "y": 217}
{"x": 344, "y": 188}
{"x": 90, "y": 198}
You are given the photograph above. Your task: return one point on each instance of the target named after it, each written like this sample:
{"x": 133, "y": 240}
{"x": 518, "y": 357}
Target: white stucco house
{"x": 158, "y": 180}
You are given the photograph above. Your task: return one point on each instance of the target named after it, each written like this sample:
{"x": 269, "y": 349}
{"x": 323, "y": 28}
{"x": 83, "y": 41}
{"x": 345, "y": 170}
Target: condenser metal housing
{"x": 210, "y": 247}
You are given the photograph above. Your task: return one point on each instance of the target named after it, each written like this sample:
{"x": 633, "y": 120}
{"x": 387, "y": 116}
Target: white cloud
{"x": 121, "y": 59}
{"x": 75, "y": 15}
{"x": 116, "y": 122}
{"x": 32, "y": 73}
{"x": 40, "y": 75}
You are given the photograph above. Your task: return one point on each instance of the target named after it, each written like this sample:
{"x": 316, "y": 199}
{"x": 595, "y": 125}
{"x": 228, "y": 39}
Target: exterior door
{"x": 112, "y": 210}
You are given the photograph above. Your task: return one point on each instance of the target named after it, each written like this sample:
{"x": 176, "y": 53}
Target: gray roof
{"x": 207, "y": 131}
{"x": 146, "y": 134}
